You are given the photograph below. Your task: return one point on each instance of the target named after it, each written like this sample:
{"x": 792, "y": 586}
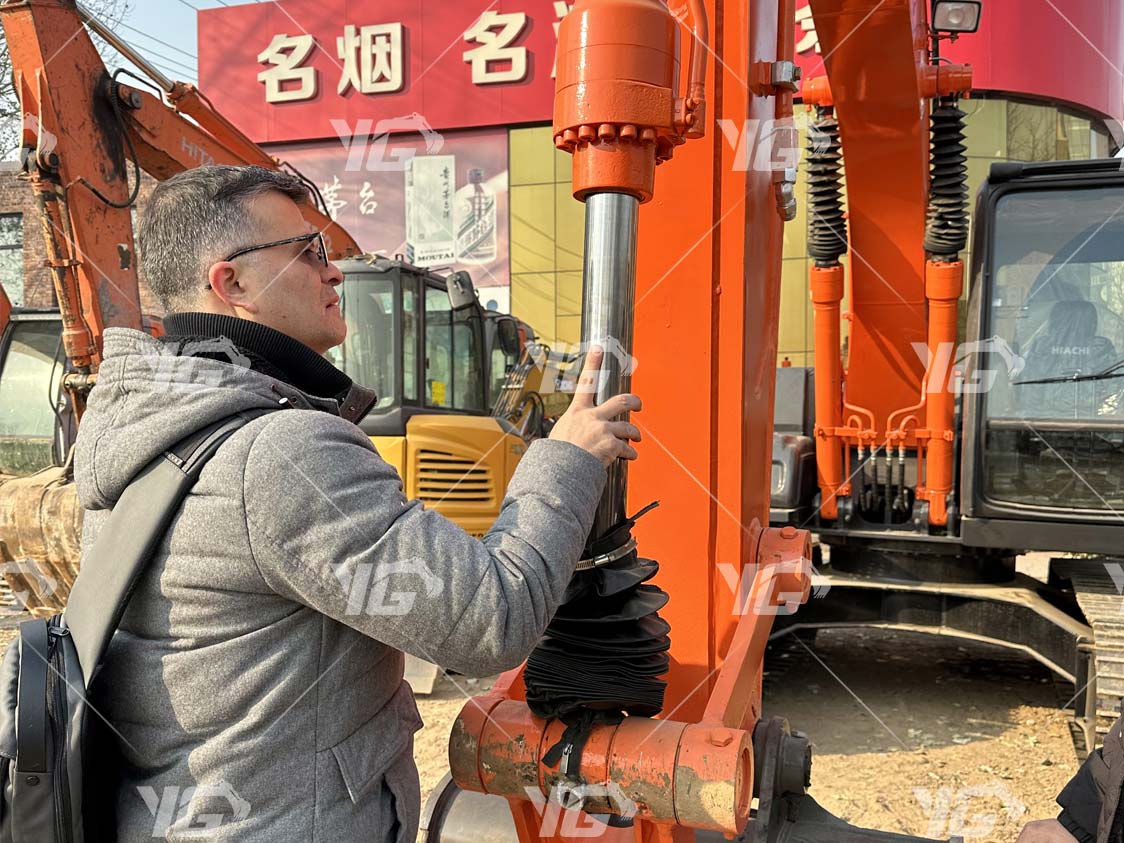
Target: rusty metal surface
{"x": 40, "y": 538}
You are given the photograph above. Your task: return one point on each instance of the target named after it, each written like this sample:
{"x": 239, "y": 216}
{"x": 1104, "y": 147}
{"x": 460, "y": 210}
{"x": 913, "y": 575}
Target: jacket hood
{"x": 149, "y": 396}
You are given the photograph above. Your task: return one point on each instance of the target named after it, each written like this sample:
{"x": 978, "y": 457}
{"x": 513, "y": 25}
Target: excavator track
{"x": 1102, "y": 670}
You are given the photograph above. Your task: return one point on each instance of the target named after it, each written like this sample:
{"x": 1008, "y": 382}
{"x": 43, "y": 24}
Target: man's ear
{"x": 229, "y": 286}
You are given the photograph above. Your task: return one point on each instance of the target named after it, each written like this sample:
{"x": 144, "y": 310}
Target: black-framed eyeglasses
{"x": 321, "y": 247}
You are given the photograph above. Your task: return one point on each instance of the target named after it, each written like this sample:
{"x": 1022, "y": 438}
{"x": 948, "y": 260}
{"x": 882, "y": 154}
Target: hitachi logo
{"x": 1071, "y": 349}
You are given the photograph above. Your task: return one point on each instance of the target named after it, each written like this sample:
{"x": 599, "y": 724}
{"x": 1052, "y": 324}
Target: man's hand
{"x": 591, "y": 426}
{"x": 1045, "y": 831}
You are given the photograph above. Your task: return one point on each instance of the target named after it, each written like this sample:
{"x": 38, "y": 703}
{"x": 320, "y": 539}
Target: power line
{"x": 193, "y": 8}
{"x": 158, "y": 41}
{"x": 180, "y": 66}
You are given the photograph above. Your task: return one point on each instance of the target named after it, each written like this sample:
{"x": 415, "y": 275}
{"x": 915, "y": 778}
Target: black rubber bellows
{"x": 607, "y": 645}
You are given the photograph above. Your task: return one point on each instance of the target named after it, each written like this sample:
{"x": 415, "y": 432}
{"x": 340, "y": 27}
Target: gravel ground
{"x": 925, "y": 735}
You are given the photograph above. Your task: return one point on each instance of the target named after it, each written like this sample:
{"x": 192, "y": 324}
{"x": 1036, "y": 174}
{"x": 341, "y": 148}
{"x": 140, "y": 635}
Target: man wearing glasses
{"x": 255, "y": 685}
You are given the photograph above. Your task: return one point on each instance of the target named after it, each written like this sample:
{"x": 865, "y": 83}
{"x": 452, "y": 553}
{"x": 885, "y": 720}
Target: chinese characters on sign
{"x": 373, "y": 60}
{"x": 378, "y": 49}
{"x": 810, "y": 40}
{"x": 287, "y": 53}
{"x": 495, "y": 47}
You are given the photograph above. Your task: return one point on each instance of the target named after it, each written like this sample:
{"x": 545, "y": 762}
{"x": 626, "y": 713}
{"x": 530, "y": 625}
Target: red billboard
{"x": 307, "y": 69}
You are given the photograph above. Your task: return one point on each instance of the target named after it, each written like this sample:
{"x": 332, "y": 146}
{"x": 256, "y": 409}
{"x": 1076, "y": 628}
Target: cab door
{"x": 36, "y": 425}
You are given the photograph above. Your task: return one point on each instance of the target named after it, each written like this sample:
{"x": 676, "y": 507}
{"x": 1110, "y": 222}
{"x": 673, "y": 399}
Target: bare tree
{"x": 1032, "y": 132}
{"x": 111, "y": 12}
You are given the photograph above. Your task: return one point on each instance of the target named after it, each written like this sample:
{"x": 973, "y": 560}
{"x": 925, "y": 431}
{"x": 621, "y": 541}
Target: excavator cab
{"x": 35, "y": 426}
{"x": 427, "y": 348}
{"x": 1043, "y": 392}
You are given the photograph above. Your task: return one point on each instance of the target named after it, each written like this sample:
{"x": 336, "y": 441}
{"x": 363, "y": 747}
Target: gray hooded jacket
{"x": 256, "y": 683}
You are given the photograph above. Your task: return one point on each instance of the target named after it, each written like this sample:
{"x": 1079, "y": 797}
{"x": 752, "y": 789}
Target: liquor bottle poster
{"x": 457, "y": 205}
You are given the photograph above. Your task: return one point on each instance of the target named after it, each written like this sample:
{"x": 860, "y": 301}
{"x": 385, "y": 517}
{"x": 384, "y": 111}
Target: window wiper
{"x": 1112, "y": 371}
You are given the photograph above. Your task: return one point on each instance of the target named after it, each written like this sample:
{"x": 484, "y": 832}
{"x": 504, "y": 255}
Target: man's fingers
{"x": 624, "y": 430}
{"x": 618, "y": 405}
{"x": 627, "y": 452}
{"x": 585, "y": 393}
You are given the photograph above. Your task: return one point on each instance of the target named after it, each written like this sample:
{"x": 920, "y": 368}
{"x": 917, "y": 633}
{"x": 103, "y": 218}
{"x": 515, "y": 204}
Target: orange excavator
{"x": 947, "y": 444}
{"x": 420, "y": 339}
{"x": 989, "y": 438}
{"x": 564, "y": 747}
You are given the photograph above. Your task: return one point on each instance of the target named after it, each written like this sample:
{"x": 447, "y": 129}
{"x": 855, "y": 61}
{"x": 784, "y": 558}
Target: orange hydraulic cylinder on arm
{"x": 827, "y": 293}
{"x": 944, "y": 281}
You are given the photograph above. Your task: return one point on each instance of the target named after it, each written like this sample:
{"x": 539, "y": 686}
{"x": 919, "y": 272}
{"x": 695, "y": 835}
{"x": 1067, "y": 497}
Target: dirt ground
{"x": 925, "y": 735}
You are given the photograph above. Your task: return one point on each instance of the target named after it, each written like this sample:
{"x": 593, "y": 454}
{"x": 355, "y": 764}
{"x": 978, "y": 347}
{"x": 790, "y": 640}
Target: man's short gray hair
{"x": 196, "y": 218}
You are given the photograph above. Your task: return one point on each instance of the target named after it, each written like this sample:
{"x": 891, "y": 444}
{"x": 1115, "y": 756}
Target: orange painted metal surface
{"x": 944, "y": 283}
{"x": 667, "y": 772}
{"x": 939, "y": 80}
{"x": 827, "y": 293}
{"x": 617, "y": 106}
{"x": 707, "y": 305}
{"x": 942, "y": 80}
{"x": 700, "y": 776}
{"x": 897, "y": 296}
{"x": 873, "y": 70}
{"x": 62, "y": 97}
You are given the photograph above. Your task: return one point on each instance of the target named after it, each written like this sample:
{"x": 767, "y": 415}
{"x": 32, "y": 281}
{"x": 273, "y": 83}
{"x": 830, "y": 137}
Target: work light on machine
{"x": 956, "y": 16}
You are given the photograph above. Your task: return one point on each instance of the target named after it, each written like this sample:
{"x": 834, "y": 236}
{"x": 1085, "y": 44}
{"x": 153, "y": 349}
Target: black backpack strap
{"x": 31, "y": 725}
{"x": 31, "y": 794}
{"x": 125, "y": 544}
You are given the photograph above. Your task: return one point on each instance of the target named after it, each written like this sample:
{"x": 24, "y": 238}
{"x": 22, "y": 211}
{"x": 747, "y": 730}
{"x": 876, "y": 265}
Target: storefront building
{"x": 425, "y": 126}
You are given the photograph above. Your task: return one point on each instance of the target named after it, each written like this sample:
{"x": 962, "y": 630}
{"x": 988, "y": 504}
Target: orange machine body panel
{"x": 883, "y": 122}
{"x": 707, "y": 306}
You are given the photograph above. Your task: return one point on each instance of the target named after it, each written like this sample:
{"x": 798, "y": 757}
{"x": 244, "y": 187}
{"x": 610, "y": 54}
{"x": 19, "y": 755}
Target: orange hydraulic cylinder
{"x": 827, "y": 293}
{"x": 691, "y": 774}
{"x": 944, "y": 282}
{"x": 617, "y": 107}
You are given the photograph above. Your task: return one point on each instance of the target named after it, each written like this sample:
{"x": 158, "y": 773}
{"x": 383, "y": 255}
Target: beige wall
{"x": 547, "y": 233}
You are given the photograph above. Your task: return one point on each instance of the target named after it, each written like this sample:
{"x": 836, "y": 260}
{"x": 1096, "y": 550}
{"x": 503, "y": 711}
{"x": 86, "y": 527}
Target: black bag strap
{"x": 31, "y": 721}
{"x": 127, "y": 540}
